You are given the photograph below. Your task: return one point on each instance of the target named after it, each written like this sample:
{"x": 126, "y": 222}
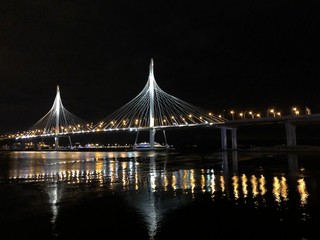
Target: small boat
{"x": 146, "y": 146}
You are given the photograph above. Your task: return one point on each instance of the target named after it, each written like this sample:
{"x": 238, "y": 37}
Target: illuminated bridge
{"x": 152, "y": 109}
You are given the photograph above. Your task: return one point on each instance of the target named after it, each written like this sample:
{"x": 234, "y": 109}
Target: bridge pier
{"x": 291, "y": 134}
{"x": 56, "y": 143}
{"x": 151, "y": 138}
{"x": 234, "y": 139}
{"x": 224, "y": 138}
{"x": 224, "y": 144}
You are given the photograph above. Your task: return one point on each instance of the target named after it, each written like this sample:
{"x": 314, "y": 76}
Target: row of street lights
{"x": 271, "y": 112}
{"x": 242, "y": 115}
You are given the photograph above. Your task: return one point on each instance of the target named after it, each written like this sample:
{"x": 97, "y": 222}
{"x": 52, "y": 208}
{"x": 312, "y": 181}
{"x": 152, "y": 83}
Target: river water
{"x": 159, "y": 195}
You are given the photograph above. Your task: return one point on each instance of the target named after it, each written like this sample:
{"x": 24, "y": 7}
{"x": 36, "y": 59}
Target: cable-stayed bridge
{"x": 152, "y": 109}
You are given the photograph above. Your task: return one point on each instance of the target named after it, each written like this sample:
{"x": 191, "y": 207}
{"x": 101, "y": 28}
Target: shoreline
{"x": 284, "y": 148}
{"x": 275, "y": 148}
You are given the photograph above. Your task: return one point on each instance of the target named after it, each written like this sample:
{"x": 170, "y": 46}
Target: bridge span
{"x": 151, "y": 110}
{"x": 290, "y": 122}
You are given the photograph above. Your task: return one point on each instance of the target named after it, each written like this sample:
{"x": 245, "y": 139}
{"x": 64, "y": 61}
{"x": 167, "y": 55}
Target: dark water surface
{"x": 150, "y": 195}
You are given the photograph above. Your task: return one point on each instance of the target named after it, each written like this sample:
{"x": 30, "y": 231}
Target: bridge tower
{"x": 154, "y": 109}
{"x": 58, "y": 122}
{"x": 151, "y": 80}
{"x": 57, "y": 103}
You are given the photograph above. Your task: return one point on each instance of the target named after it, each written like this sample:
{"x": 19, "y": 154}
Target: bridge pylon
{"x": 57, "y": 107}
{"x": 151, "y": 81}
{"x": 58, "y": 122}
{"x": 153, "y": 109}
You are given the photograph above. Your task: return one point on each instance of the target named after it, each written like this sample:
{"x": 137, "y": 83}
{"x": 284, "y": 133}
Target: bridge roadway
{"x": 290, "y": 122}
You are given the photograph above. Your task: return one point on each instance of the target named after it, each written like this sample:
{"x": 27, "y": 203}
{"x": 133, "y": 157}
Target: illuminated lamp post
{"x": 232, "y": 114}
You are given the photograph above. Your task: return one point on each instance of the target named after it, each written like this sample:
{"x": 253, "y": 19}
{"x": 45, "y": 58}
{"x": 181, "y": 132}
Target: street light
{"x": 295, "y": 110}
{"x": 271, "y": 111}
{"x": 308, "y": 111}
{"x": 232, "y": 113}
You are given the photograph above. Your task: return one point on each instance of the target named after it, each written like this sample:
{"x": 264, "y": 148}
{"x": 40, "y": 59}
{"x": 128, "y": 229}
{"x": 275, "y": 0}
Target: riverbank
{"x": 285, "y": 148}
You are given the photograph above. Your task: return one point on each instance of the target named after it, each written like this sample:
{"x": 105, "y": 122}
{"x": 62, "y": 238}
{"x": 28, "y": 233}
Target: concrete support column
{"x": 234, "y": 139}
{"x": 56, "y": 143}
{"x": 291, "y": 134}
{"x": 224, "y": 138}
{"x": 151, "y": 140}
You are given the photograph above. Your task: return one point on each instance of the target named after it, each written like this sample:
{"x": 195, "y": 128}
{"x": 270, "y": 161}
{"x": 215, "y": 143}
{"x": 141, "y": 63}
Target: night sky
{"x": 242, "y": 55}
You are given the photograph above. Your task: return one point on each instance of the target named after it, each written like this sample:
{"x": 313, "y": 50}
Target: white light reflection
{"x": 212, "y": 182}
{"x": 114, "y": 172}
{"x": 54, "y": 198}
{"x": 152, "y": 213}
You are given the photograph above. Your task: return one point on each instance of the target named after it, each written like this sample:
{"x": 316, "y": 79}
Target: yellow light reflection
{"x": 192, "y": 180}
{"x": 222, "y": 184}
{"x": 302, "y": 189}
{"x": 263, "y": 188}
{"x": 165, "y": 183}
{"x": 124, "y": 174}
{"x": 136, "y": 180}
{"x": 203, "y": 183}
{"x": 244, "y": 181}
{"x": 276, "y": 189}
{"x": 235, "y": 183}
{"x": 254, "y": 184}
{"x": 113, "y": 176}
{"x": 186, "y": 179}
{"x": 284, "y": 189}
{"x": 174, "y": 182}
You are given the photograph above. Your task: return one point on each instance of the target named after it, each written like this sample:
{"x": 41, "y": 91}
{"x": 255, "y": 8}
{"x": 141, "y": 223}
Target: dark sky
{"x": 229, "y": 54}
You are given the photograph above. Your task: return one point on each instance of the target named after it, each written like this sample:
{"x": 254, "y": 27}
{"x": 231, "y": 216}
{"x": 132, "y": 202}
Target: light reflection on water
{"x": 147, "y": 173}
{"x": 126, "y": 171}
